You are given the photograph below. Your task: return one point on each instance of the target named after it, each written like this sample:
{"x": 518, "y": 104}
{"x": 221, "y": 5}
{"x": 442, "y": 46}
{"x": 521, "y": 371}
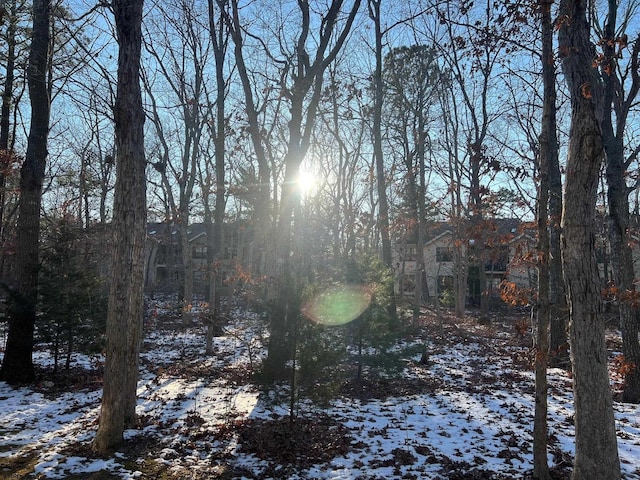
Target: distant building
{"x": 507, "y": 245}
{"x": 163, "y": 256}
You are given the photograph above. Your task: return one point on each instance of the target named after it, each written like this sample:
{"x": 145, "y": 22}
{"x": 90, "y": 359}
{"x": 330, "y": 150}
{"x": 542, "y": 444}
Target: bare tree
{"x": 301, "y": 79}
{"x": 124, "y": 317}
{"x": 474, "y": 43}
{"x": 260, "y": 180}
{"x": 618, "y": 93}
{"x": 218, "y": 31}
{"x": 473, "y": 52}
{"x": 596, "y": 453}
{"x": 548, "y": 148}
{"x": 378, "y": 154}
{"x": 347, "y": 127}
{"x": 180, "y": 50}
{"x": 17, "y": 364}
{"x": 6, "y": 155}
{"x": 412, "y": 79}
{"x": 92, "y": 146}
{"x": 92, "y": 91}
{"x": 454, "y": 172}
{"x": 10, "y": 99}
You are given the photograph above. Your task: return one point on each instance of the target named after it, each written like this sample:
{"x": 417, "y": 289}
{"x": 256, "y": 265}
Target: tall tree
{"x": 7, "y": 100}
{"x": 17, "y": 365}
{"x": 307, "y": 72}
{"x": 92, "y": 91}
{"x": 180, "y": 50}
{"x": 8, "y": 158}
{"x": 305, "y": 58}
{"x": 596, "y": 448}
{"x": 473, "y": 39}
{"x": 218, "y": 31}
{"x": 343, "y": 101}
{"x": 454, "y": 173}
{"x": 378, "y": 154}
{"x": 124, "y": 317}
{"x": 557, "y": 296}
{"x": 548, "y": 148}
{"x": 412, "y": 77}
{"x": 618, "y": 93}
{"x": 262, "y": 179}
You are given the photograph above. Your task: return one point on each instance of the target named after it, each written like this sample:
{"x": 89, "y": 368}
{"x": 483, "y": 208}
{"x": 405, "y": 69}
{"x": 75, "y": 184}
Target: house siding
{"x": 505, "y": 260}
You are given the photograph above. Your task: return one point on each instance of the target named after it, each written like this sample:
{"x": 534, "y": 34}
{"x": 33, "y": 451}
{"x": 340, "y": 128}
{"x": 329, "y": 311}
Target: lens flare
{"x": 338, "y": 305}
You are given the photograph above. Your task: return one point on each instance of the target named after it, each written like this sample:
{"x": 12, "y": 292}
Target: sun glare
{"x": 306, "y": 181}
{"x": 338, "y": 305}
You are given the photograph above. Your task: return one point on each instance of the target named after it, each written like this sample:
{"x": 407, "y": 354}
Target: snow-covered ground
{"x": 465, "y": 414}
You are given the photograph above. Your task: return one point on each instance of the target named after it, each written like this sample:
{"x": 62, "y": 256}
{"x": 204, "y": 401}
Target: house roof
{"x": 440, "y": 235}
{"x": 164, "y": 231}
{"x": 500, "y": 230}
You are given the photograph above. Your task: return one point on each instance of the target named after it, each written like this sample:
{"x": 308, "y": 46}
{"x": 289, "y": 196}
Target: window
{"x": 200, "y": 252}
{"x": 498, "y": 261}
{"x": 408, "y": 254}
{"x": 444, "y": 254}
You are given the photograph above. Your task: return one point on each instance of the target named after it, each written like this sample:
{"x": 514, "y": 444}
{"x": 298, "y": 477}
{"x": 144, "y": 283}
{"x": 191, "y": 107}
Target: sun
{"x": 307, "y": 181}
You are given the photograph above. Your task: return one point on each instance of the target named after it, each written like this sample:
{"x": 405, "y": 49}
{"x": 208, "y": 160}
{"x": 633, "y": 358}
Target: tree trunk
{"x": 263, "y": 208}
{"x": 217, "y": 33}
{"x": 124, "y": 317}
{"x": 383, "y": 204}
{"x": 187, "y": 269}
{"x": 478, "y": 227}
{"x": 557, "y": 298}
{"x": 623, "y": 275}
{"x": 613, "y": 101}
{"x": 548, "y": 146}
{"x": 17, "y": 365}
{"x": 461, "y": 273}
{"x": 422, "y": 291}
{"x": 596, "y": 446}
{"x": 7, "y": 93}
{"x": 6, "y": 154}
{"x": 622, "y": 266}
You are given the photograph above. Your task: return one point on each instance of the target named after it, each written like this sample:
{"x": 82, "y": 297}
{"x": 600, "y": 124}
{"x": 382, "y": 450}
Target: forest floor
{"x": 460, "y": 406}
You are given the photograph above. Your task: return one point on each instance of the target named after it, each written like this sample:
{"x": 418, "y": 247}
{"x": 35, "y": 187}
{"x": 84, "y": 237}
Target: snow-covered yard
{"x": 467, "y": 413}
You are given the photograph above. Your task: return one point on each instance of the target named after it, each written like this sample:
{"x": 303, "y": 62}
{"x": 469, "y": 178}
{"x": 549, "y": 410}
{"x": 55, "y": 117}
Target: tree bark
{"x": 215, "y": 234}
{"x": 622, "y": 266}
{"x": 186, "y": 289}
{"x": 548, "y": 147}
{"x": 7, "y": 93}
{"x": 6, "y": 154}
{"x": 557, "y": 296}
{"x": 17, "y": 365}
{"x": 596, "y": 453}
{"x": 124, "y": 317}
{"x": 381, "y": 182}
{"x": 614, "y": 101}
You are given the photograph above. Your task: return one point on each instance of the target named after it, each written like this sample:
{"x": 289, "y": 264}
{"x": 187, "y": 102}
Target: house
{"x": 507, "y": 243}
{"x": 163, "y": 254}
